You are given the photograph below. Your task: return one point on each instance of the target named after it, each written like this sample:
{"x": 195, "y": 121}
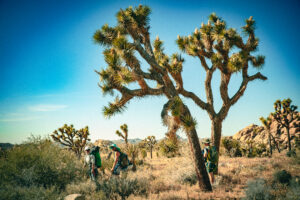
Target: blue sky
{"x": 48, "y": 58}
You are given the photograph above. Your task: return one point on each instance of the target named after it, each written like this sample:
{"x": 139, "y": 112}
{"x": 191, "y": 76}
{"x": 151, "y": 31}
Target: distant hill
{"x": 101, "y": 142}
{"x": 5, "y": 146}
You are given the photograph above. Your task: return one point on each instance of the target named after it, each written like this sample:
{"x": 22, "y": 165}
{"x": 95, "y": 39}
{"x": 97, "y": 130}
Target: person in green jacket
{"x": 211, "y": 157}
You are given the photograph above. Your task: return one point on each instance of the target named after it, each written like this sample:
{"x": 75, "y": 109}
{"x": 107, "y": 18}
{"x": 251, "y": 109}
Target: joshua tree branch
{"x": 195, "y": 98}
{"x": 257, "y": 76}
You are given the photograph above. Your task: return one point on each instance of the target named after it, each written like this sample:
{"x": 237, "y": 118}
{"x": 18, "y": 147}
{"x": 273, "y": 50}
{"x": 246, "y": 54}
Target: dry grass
{"x": 163, "y": 175}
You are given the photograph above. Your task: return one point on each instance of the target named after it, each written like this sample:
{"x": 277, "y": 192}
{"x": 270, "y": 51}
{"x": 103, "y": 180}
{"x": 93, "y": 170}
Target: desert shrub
{"x": 291, "y": 153}
{"x": 169, "y": 148}
{"x": 87, "y": 187}
{"x": 12, "y": 192}
{"x": 188, "y": 178}
{"x": 123, "y": 187}
{"x": 106, "y": 164}
{"x": 232, "y": 147}
{"x": 143, "y": 153}
{"x": 282, "y": 177}
{"x": 37, "y": 164}
{"x": 257, "y": 189}
{"x": 294, "y": 189}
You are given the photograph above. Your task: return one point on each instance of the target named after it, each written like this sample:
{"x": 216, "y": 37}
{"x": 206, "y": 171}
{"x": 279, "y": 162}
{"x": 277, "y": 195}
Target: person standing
{"x": 91, "y": 163}
{"x": 211, "y": 157}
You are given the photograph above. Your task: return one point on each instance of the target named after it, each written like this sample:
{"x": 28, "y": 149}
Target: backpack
{"x": 212, "y": 155}
{"x": 123, "y": 159}
{"x": 95, "y": 151}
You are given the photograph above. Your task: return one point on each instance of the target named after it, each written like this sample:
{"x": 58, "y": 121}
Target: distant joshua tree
{"x": 123, "y": 135}
{"x": 131, "y": 149}
{"x": 267, "y": 123}
{"x": 74, "y": 139}
{"x": 150, "y": 142}
{"x": 284, "y": 114}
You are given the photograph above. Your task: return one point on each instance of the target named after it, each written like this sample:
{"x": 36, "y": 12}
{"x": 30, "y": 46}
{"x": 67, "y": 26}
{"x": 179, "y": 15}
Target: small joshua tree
{"x": 267, "y": 123}
{"x": 284, "y": 114}
{"x": 131, "y": 149}
{"x": 74, "y": 139}
{"x": 123, "y": 135}
{"x": 150, "y": 141}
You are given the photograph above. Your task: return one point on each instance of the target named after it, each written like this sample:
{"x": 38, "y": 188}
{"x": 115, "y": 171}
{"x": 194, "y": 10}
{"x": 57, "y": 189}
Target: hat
{"x": 87, "y": 148}
{"x": 206, "y": 141}
{"x": 114, "y": 146}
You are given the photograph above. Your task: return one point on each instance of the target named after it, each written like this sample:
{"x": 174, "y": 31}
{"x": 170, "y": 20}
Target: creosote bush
{"x": 258, "y": 190}
{"x": 37, "y": 166}
{"x": 282, "y": 177}
{"x": 123, "y": 187}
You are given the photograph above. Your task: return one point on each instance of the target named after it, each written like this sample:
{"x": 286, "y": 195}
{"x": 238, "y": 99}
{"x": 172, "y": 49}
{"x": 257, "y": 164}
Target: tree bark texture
{"x": 199, "y": 163}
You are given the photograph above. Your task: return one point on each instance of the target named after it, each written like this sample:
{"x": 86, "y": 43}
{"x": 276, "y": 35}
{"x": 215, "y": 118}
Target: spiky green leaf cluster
{"x": 249, "y": 27}
{"x": 112, "y": 109}
{"x": 159, "y": 54}
{"x": 266, "y": 122}
{"x": 176, "y": 63}
{"x": 188, "y": 122}
{"x": 258, "y": 61}
{"x": 236, "y": 62}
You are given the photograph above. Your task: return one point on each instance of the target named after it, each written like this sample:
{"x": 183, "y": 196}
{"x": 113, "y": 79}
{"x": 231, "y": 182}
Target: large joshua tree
{"x": 122, "y": 43}
{"x": 222, "y": 49}
{"x": 284, "y": 114}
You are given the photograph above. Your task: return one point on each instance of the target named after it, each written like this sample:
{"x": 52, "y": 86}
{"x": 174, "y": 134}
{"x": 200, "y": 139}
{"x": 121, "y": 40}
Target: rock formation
{"x": 259, "y": 135}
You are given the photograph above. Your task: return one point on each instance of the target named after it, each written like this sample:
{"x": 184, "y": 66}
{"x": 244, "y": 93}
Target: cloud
{"x": 46, "y": 107}
{"x": 17, "y": 119}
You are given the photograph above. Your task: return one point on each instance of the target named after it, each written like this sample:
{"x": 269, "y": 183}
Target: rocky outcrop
{"x": 74, "y": 197}
{"x": 259, "y": 135}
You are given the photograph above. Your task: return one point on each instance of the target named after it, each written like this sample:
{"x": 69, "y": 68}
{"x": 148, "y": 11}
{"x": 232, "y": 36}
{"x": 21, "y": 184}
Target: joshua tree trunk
{"x": 204, "y": 182}
{"x": 277, "y": 147}
{"x": 270, "y": 142}
{"x": 198, "y": 160}
{"x": 289, "y": 138}
{"x": 216, "y": 131}
{"x": 151, "y": 152}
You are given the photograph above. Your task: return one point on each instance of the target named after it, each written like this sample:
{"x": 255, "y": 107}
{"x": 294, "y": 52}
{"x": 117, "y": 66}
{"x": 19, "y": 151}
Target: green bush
{"x": 143, "y": 153}
{"x": 232, "y": 147}
{"x": 291, "y": 153}
{"x": 36, "y": 166}
{"x": 258, "y": 190}
{"x": 11, "y": 192}
{"x": 282, "y": 177}
{"x": 169, "y": 148}
{"x": 294, "y": 189}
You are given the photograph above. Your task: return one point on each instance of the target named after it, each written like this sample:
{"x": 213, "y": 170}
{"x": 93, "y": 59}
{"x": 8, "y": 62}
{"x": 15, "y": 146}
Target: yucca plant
{"x": 284, "y": 114}
{"x": 129, "y": 37}
{"x": 223, "y": 49}
{"x": 73, "y": 139}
